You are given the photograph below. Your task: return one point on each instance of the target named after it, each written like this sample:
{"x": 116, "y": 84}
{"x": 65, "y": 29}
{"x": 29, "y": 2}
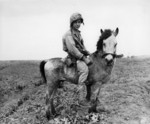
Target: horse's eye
{"x": 104, "y": 44}
{"x": 115, "y": 44}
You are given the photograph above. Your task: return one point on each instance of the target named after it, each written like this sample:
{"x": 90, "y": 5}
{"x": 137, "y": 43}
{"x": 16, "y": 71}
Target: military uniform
{"x": 73, "y": 44}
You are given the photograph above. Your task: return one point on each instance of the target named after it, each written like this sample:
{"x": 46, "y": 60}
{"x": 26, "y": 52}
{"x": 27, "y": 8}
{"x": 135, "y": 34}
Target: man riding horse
{"x": 73, "y": 44}
{"x": 56, "y": 71}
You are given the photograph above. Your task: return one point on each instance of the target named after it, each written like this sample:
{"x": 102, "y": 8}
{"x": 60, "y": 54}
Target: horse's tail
{"x": 42, "y": 71}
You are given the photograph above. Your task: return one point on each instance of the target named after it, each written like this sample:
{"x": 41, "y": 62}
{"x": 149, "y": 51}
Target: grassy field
{"x": 126, "y": 97}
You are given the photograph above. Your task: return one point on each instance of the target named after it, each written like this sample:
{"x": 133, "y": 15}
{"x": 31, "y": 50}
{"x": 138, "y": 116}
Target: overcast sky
{"x": 33, "y": 29}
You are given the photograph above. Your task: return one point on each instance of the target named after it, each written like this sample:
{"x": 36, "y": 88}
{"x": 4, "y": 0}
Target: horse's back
{"x": 54, "y": 67}
{"x": 58, "y": 69}
{"x": 53, "y": 63}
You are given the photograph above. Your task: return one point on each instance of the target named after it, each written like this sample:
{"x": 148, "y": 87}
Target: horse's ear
{"x": 101, "y": 30}
{"x": 116, "y": 31}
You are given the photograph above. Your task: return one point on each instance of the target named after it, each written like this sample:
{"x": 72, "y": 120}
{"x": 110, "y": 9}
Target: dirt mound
{"x": 124, "y": 100}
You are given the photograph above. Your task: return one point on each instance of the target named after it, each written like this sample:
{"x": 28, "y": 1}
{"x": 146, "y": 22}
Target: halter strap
{"x": 105, "y": 54}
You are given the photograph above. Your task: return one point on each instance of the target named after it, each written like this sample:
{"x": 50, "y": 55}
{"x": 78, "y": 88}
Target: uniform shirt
{"x": 73, "y": 43}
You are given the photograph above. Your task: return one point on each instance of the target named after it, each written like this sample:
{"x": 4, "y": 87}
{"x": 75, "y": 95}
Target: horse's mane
{"x": 106, "y": 33}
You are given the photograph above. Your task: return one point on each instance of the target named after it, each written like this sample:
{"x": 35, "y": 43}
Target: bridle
{"x": 114, "y": 55}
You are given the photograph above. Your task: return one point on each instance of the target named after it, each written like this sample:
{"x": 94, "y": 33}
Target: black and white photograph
{"x": 74, "y": 62}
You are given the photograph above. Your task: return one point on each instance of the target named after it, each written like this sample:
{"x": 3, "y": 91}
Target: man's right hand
{"x": 87, "y": 60}
{"x": 85, "y": 52}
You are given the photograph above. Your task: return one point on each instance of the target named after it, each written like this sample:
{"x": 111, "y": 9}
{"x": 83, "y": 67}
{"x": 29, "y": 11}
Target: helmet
{"x": 74, "y": 17}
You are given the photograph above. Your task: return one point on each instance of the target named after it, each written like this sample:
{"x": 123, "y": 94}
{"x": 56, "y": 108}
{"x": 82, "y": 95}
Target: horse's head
{"x": 107, "y": 45}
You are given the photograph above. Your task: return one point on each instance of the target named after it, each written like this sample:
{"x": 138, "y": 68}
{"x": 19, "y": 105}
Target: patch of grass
{"x": 124, "y": 98}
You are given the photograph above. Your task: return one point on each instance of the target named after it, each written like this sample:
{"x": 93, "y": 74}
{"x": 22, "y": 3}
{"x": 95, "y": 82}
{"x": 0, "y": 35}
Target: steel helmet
{"x": 74, "y": 17}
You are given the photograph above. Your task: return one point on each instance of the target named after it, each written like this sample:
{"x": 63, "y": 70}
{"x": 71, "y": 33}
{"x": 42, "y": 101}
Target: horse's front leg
{"x": 88, "y": 91}
{"x": 95, "y": 91}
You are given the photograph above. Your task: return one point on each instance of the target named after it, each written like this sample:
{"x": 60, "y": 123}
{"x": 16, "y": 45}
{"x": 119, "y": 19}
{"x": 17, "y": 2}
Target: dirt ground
{"x": 125, "y": 98}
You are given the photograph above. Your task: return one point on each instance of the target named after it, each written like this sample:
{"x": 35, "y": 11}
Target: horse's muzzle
{"x": 109, "y": 57}
{"x": 106, "y": 54}
{"x": 113, "y": 55}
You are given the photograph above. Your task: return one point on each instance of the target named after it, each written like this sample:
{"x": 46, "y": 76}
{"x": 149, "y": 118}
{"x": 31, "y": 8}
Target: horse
{"x": 55, "y": 71}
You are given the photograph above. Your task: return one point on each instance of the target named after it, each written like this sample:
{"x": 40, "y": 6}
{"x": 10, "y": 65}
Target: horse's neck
{"x": 101, "y": 63}
{"x": 99, "y": 69}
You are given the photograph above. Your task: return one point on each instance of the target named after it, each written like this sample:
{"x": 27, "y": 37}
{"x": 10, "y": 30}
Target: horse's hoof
{"x": 49, "y": 115}
{"x": 92, "y": 109}
{"x": 61, "y": 85}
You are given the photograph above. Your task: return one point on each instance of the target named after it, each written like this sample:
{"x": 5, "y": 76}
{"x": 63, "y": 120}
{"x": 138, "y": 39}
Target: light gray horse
{"x": 54, "y": 71}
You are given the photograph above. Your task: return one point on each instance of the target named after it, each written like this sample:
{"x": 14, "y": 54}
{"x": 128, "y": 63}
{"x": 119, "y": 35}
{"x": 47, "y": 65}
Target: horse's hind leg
{"x": 50, "y": 109}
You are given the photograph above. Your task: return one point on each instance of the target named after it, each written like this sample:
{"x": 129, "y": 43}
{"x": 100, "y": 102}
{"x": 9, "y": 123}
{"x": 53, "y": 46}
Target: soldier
{"x": 73, "y": 44}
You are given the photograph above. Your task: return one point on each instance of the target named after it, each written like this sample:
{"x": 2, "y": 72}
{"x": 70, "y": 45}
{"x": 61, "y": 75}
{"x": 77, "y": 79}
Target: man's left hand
{"x": 87, "y": 60}
{"x": 85, "y": 52}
